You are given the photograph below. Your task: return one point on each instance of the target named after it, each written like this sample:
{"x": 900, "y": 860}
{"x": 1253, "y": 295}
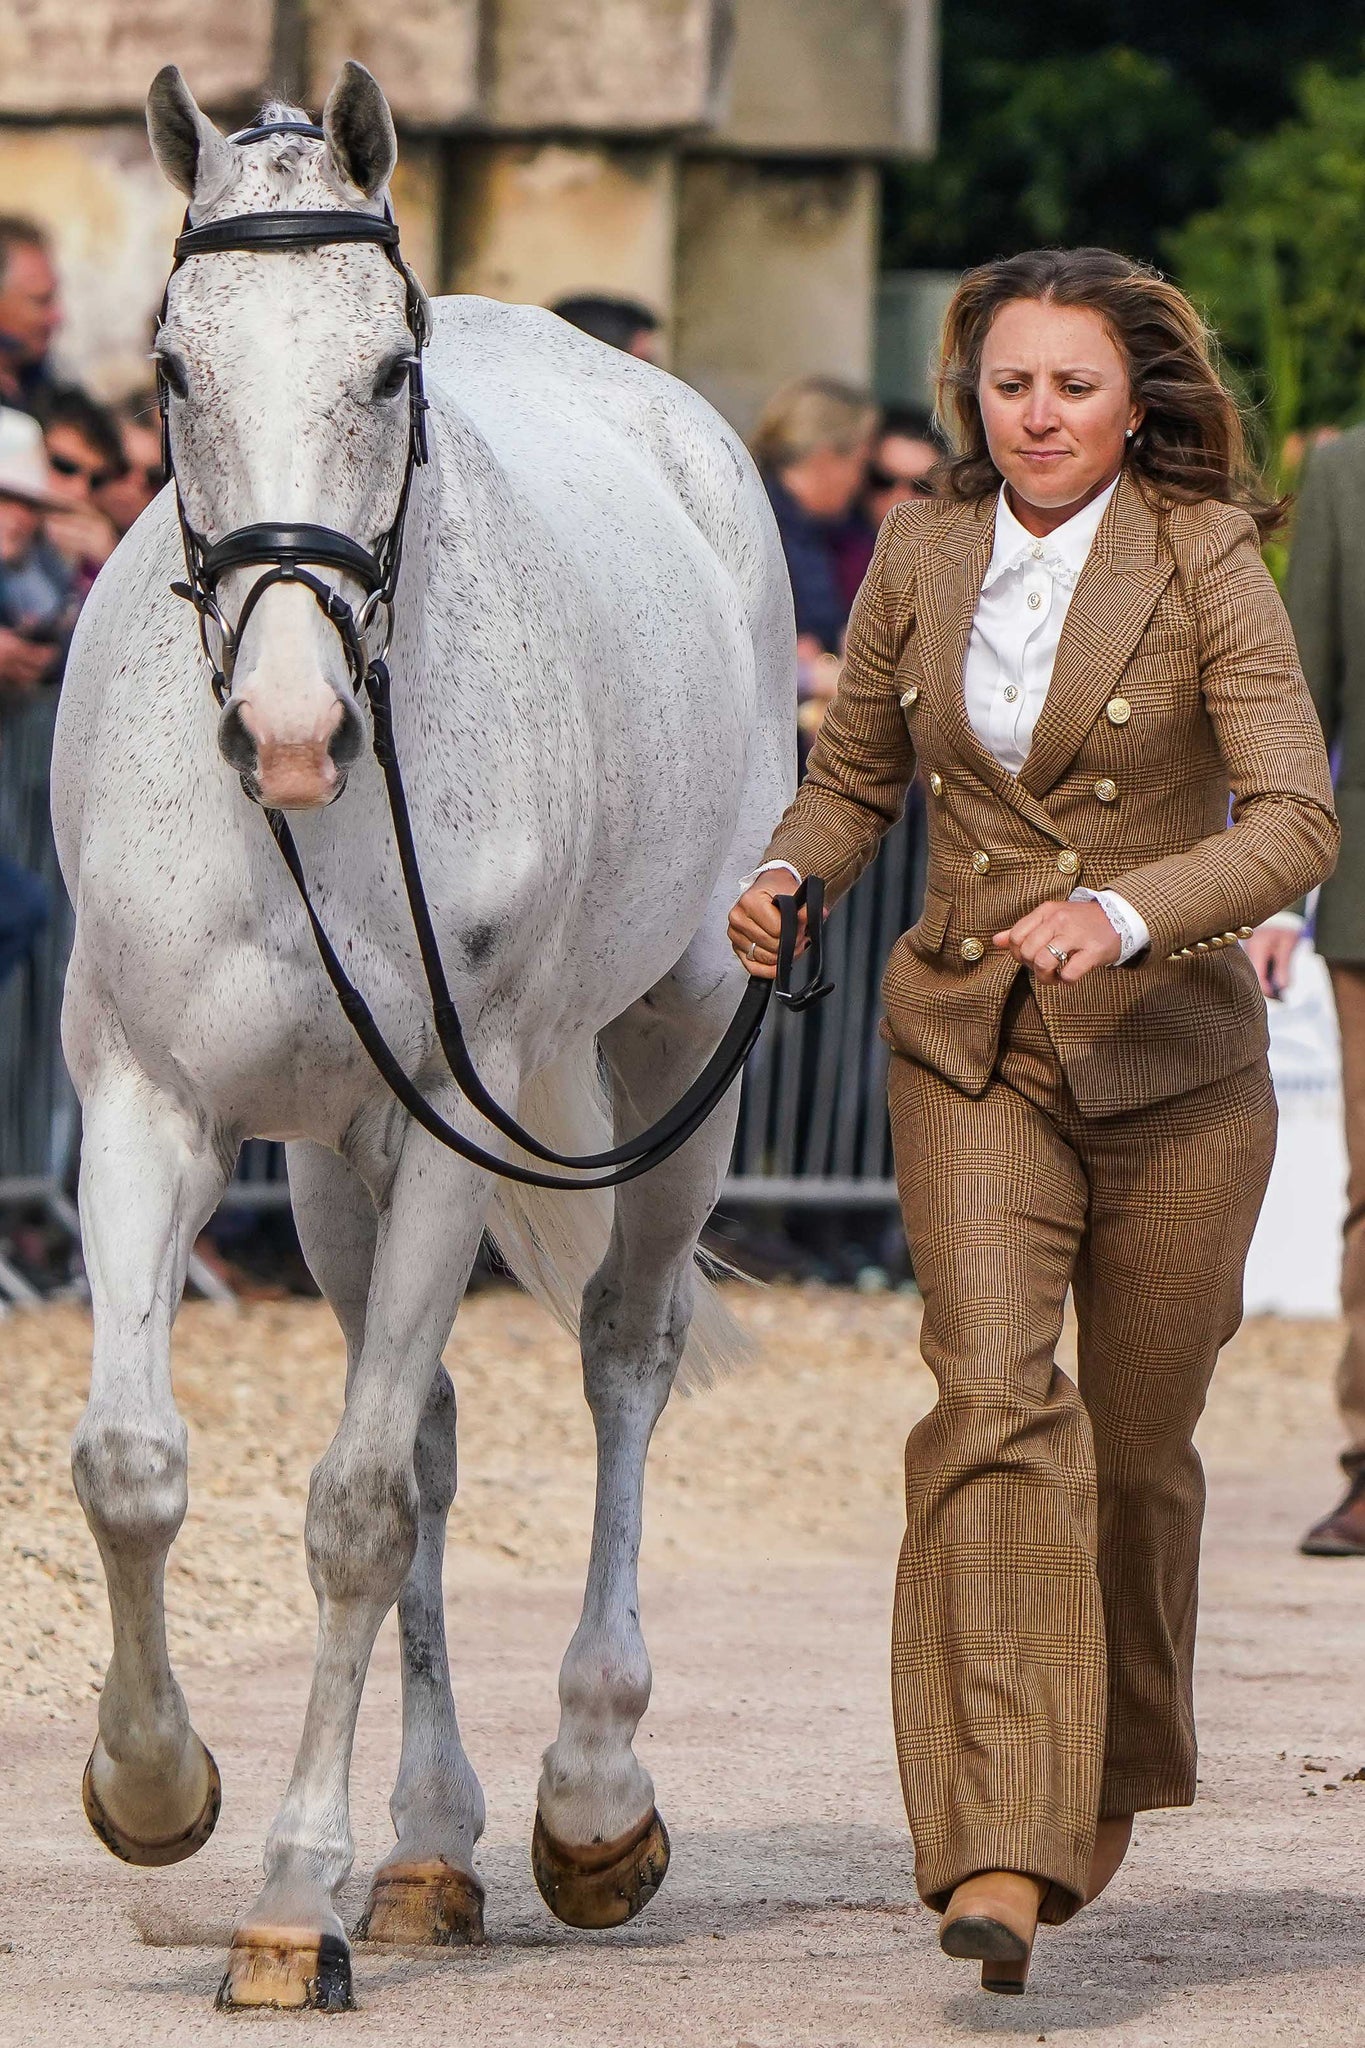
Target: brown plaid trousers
{"x": 1113, "y": 1137}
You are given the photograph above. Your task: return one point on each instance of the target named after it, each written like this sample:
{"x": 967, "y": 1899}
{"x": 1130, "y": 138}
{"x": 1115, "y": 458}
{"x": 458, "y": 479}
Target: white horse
{"x": 593, "y": 660}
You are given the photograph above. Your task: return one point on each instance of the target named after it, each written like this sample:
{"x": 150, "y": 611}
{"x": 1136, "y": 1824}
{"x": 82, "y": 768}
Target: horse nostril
{"x": 347, "y": 738}
{"x": 235, "y": 743}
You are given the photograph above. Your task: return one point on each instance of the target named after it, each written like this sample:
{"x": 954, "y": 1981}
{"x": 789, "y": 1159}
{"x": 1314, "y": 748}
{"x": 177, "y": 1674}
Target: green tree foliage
{"x": 1105, "y": 121}
{"x": 1062, "y": 149}
{"x": 1279, "y": 264}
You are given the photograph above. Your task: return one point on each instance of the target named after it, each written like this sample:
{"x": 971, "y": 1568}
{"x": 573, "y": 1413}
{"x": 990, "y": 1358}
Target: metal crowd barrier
{"x": 813, "y": 1125}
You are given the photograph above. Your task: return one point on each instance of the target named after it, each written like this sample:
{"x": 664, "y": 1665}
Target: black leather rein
{"x": 292, "y": 553}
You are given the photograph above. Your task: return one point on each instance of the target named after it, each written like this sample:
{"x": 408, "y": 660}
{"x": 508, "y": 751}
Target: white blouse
{"x": 1025, "y": 595}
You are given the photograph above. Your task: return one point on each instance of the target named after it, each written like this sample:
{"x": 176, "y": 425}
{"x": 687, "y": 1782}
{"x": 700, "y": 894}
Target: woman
{"x": 1079, "y": 649}
{"x": 812, "y": 444}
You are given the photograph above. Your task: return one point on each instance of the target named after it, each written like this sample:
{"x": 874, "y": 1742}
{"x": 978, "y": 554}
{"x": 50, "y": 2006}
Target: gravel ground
{"x": 789, "y": 1917}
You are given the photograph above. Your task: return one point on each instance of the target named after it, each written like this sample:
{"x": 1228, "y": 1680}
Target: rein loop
{"x": 292, "y": 553}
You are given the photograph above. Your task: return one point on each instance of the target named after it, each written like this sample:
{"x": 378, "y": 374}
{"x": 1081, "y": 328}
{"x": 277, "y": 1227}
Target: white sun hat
{"x": 24, "y": 470}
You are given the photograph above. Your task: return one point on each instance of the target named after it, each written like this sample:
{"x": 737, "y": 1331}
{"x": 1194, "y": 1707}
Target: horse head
{"x": 285, "y": 372}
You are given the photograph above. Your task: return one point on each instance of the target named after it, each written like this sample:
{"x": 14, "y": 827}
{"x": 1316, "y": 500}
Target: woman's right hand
{"x": 755, "y": 924}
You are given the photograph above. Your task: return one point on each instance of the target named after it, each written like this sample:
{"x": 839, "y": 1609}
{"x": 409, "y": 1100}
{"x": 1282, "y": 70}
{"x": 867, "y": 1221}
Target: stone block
{"x": 99, "y": 56}
{"x": 832, "y": 78}
{"x": 622, "y": 66}
{"x": 775, "y": 278}
{"x": 533, "y": 222}
{"x": 425, "y": 54}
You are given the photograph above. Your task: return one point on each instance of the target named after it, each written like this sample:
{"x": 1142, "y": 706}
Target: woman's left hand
{"x": 1062, "y": 941}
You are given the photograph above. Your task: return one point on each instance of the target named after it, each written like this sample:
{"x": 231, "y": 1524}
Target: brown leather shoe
{"x": 1342, "y": 1533}
{"x": 992, "y": 1919}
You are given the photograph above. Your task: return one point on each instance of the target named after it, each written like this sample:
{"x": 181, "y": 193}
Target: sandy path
{"x": 788, "y": 1917}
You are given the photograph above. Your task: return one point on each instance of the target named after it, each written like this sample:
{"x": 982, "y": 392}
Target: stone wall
{"x": 88, "y": 57}
{"x": 832, "y": 77}
{"x": 647, "y": 147}
{"x": 775, "y": 279}
{"x": 534, "y": 221}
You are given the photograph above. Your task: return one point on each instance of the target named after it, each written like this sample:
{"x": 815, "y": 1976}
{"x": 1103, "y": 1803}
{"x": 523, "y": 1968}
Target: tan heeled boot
{"x": 992, "y": 1919}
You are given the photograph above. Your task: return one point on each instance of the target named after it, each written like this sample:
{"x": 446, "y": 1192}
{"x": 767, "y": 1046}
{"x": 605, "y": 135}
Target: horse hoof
{"x": 423, "y": 1905}
{"x": 287, "y": 1968}
{"x": 605, "y": 1885}
{"x": 169, "y": 1848}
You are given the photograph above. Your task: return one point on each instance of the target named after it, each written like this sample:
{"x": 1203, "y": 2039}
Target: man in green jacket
{"x": 1326, "y": 598}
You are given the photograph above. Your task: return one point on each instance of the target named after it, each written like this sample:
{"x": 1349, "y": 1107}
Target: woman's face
{"x": 1055, "y": 403}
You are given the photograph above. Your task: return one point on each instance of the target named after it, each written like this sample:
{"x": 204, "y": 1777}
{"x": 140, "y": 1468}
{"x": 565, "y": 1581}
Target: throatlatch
{"x": 292, "y": 553}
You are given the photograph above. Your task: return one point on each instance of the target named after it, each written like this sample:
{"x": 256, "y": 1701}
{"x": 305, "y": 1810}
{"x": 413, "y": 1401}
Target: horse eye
{"x": 391, "y": 378}
{"x": 173, "y": 370}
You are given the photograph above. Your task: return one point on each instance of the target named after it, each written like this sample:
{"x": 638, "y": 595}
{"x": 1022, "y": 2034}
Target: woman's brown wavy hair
{"x": 1192, "y": 443}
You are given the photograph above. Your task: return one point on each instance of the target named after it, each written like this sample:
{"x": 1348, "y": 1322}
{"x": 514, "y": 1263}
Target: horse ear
{"x": 359, "y": 130}
{"x": 190, "y": 151}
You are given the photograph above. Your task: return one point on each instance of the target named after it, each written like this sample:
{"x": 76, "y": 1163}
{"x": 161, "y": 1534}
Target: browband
{"x": 284, "y": 231}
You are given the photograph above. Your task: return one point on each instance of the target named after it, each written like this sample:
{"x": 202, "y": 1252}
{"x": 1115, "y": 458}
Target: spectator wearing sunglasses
{"x": 125, "y": 497}
{"x": 904, "y": 457}
{"x": 86, "y": 456}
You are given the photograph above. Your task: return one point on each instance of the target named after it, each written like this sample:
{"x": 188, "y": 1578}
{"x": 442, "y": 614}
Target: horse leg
{"x": 425, "y": 1891}
{"x": 600, "y": 1849}
{"x": 149, "y": 1181}
{"x": 362, "y": 1531}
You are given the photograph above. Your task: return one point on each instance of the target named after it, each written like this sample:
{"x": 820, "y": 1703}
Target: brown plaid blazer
{"x": 1176, "y": 678}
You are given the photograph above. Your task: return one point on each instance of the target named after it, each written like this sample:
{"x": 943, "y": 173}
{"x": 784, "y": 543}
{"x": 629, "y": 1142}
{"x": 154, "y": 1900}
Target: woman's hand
{"x": 1270, "y": 950}
{"x": 1079, "y": 931}
{"x": 755, "y": 924}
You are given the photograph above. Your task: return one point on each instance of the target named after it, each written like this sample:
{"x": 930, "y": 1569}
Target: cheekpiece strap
{"x": 284, "y": 231}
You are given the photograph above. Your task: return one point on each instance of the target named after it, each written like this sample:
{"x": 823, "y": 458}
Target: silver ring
{"x": 753, "y": 950}
{"x": 1058, "y": 955}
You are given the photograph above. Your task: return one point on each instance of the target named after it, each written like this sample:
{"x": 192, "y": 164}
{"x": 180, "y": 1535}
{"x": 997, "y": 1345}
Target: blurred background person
{"x": 1325, "y": 591}
{"x": 904, "y": 457}
{"x": 36, "y": 610}
{"x": 85, "y": 453}
{"x": 124, "y": 497}
{"x": 813, "y": 443}
{"x": 37, "y": 591}
{"x": 622, "y": 323}
{"x": 24, "y": 906}
{"x": 30, "y": 312}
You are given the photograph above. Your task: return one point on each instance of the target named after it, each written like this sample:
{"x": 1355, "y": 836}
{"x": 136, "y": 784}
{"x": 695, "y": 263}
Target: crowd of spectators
{"x": 74, "y": 475}
{"x": 834, "y": 463}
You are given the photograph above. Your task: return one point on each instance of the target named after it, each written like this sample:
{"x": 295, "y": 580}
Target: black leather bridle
{"x": 292, "y": 553}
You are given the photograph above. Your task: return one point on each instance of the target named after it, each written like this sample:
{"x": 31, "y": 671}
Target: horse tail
{"x": 555, "y": 1242}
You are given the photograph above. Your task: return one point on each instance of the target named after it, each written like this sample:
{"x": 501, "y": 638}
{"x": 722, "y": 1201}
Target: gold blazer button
{"x": 1067, "y": 861}
{"x": 910, "y": 697}
{"x": 971, "y": 950}
{"x": 936, "y": 782}
{"x": 1118, "y": 711}
{"x": 1244, "y": 931}
{"x": 982, "y": 863}
{"x": 1106, "y": 789}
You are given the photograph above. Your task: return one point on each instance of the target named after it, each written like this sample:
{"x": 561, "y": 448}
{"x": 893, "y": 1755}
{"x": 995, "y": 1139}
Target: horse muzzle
{"x": 298, "y": 764}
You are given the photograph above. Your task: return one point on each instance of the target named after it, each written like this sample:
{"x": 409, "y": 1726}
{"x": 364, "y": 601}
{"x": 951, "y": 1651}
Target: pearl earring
{"x": 1128, "y": 434}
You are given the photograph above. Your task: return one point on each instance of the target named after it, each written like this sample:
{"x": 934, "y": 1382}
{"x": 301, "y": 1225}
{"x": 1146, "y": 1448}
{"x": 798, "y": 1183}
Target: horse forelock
{"x": 281, "y": 172}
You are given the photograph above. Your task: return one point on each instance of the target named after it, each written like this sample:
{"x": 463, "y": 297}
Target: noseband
{"x": 291, "y": 554}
